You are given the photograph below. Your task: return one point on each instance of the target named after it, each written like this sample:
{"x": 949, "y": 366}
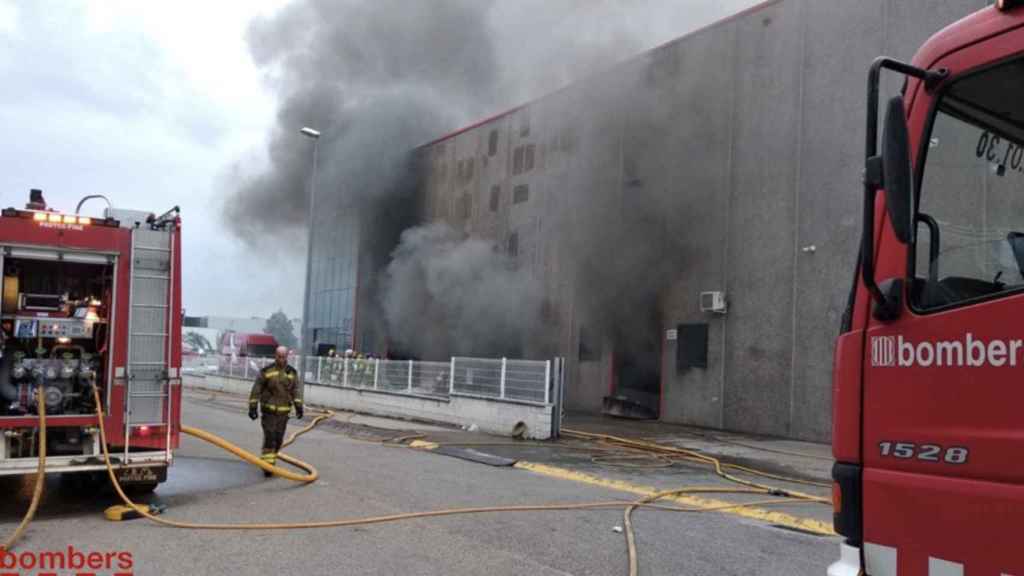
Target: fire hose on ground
{"x": 37, "y": 492}
{"x": 311, "y": 474}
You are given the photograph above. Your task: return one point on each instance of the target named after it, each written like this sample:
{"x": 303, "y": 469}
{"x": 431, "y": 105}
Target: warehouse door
{"x": 636, "y": 377}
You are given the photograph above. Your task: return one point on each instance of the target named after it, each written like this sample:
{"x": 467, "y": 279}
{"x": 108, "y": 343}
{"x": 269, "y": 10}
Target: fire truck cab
{"x": 90, "y": 303}
{"x": 928, "y": 391}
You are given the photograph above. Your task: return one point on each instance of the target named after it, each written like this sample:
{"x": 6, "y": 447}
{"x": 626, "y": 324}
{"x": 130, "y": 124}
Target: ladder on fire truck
{"x": 148, "y": 397}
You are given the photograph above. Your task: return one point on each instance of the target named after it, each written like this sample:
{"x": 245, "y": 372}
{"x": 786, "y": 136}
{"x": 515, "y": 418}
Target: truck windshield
{"x": 970, "y": 237}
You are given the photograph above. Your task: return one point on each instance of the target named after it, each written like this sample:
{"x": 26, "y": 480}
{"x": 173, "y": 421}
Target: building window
{"x": 524, "y": 124}
{"x": 520, "y": 194}
{"x": 492, "y": 143}
{"x": 465, "y": 206}
{"x": 513, "y": 244}
{"x": 528, "y": 160}
{"x": 517, "y": 161}
{"x": 495, "y": 198}
{"x": 460, "y": 167}
{"x": 470, "y": 166}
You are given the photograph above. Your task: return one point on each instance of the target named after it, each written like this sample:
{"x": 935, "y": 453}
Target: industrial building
{"x": 333, "y": 281}
{"x": 712, "y": 185}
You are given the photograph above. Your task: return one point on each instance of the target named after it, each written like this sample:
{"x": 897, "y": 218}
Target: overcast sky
{"x": 155, "y": 103}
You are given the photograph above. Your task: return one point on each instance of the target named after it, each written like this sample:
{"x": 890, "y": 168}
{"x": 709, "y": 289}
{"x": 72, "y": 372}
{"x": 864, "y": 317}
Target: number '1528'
{"x": 926, "y": 452}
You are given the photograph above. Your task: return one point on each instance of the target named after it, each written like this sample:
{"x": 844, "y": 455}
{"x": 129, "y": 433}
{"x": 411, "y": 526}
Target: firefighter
{"x": 359, "y": 369}
{"x": 275, "y": 391}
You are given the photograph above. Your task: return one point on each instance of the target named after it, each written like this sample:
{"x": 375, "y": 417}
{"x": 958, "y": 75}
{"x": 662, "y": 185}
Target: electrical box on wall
{"x": 713, "y": 302}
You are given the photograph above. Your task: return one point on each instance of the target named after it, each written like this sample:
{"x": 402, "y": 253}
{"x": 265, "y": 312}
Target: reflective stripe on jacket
{"x": 276, "y": 389}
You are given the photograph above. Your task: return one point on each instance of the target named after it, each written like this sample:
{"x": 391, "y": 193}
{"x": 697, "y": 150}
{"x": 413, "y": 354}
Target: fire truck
{"x": 88, "y": 303}
{"x": 928, "y": 393}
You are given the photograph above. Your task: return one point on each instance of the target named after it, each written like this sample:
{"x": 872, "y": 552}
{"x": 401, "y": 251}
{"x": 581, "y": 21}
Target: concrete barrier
{"x": 488, "y": 414}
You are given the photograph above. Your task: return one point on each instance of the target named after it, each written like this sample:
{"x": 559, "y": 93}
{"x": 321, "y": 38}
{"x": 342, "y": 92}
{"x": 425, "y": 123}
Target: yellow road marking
{"x": 778, "y": 518}
{"x": 421, "y": 445}
{"x": 771, "y": 517}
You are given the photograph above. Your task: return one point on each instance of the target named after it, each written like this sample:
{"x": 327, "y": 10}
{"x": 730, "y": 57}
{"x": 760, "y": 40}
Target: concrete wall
{"x": 492, "y": 416}
{"x": 755, "y": 155}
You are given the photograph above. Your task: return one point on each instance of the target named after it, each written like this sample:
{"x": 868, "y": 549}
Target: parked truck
{"x": 245, "y": 353}
{"x": 90, "y": 303}
{"x": 928, "y": 405}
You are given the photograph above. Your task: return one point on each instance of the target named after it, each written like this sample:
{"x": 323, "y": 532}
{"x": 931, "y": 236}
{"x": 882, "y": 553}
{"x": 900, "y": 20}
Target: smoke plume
{"x": 334, "y": 62}
{"x": 621, "y": 230}
{"x": 449, "y": 295}
{"x": 378, "y": 78}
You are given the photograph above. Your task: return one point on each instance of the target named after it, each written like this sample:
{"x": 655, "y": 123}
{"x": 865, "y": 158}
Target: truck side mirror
{"x": 892, "y": 172}
{"x": 897, "y": 174}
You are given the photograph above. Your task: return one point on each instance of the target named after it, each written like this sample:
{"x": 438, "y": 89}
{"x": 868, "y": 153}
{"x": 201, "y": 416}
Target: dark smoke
{"x": 380, "y": 77}
{"x": 376, "y": 79}
{"x": 272, "y": 205}
{"x": 622, "y": 229}
{"x": 449, "y": 295}
{"x": 452, "y": 61}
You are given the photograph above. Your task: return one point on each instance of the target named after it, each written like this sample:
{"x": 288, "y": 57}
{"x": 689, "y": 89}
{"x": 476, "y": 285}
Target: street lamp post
{"x": 305, "y": 340}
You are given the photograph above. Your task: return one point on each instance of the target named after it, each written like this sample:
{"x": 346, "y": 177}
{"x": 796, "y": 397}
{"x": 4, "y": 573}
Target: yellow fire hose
{"x": 715, "y": 463}
{"x": 311, "y": 475}
{"x": 37, "y": 492}
{"x": 657, "y": 455}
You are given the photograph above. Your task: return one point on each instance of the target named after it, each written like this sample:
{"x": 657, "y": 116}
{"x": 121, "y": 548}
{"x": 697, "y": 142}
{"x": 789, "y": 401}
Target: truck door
{"x": 943, "y": 406}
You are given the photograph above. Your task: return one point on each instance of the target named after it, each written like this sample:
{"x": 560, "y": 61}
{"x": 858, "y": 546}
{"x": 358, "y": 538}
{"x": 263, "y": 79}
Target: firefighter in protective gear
{"x": 275, "y": 392}
{"x": 361, "y": 368}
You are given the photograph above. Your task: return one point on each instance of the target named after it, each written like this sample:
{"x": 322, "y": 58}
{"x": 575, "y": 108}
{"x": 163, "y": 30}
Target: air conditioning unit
{"x": 713, "y": 302}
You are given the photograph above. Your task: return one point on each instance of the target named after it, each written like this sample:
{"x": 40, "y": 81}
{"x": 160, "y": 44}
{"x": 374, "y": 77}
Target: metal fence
{"x": 246, "y": 367}
{"x": 524, "y": 380}
{"x": 199, "y": 365}
{"x": 498, "y": 378}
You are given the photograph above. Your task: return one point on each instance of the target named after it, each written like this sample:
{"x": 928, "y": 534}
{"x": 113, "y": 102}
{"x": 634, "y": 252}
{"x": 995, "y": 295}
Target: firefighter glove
{"x": 252, "y": 412}
{"x": 298, "y": 411}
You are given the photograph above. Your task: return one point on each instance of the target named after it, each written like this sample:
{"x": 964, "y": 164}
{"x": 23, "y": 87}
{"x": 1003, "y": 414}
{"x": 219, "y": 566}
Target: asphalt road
{"x": 364, "y": 478}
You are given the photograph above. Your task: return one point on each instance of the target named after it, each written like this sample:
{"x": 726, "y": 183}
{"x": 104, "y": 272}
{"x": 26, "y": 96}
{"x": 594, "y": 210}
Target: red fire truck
{"x": 928, "y": 429}
{"x": 90, "y": 302}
